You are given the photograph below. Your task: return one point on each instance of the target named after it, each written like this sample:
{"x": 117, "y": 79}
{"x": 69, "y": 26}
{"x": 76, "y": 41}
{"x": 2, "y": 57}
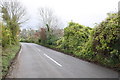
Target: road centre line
{"x": 53, "y": 60}
{"x": 50, "y": 58}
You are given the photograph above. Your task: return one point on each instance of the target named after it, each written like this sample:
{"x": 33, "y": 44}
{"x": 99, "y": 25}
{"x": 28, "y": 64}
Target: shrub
{"x": 6, "y": 36}
{"x": 75, "y": 36}
{"x": 106, "y": 39}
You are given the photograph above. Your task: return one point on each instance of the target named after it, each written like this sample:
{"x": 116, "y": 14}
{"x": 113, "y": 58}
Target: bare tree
{"x": 48, "y": 19}
{"x": 13, "y": 10}
{"x": 51, "y": 22}
{"x": 13, "y": 15}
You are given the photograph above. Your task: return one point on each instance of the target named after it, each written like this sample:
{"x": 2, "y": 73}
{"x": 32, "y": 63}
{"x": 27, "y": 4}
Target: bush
{"x": 6, "y": 36}
{"x": 75, "y": 36}
{"x": 106, "y": 39}
{"x": 87, "y": 51}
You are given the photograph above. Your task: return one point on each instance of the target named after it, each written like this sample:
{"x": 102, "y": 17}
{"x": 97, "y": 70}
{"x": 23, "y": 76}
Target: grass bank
{"x": 8, "y": 54}
{"x": 0, "y": 61}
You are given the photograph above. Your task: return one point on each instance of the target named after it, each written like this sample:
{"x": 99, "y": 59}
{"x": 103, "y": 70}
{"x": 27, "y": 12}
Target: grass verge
{"x": 8, "y": 54}
{"x": 0, "y": 62}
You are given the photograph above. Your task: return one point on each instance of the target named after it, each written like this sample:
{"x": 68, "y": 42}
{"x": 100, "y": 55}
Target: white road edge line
{"x": 20, "y": 52}
{"x": 53, "y": 60}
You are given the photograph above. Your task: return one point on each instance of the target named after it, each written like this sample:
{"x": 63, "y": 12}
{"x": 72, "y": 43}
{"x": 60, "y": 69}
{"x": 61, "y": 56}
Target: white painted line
{"x": 53, "y": 60}
{"x": 39, "y": 50}
{"x": 36, "y": 48}
{"x": 20, "y": 52}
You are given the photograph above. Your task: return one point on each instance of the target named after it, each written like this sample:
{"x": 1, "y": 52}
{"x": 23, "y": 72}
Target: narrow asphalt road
{"x": 35, "y": 61}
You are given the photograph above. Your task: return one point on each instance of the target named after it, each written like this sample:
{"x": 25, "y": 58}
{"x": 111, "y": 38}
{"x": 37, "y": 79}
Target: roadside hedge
{"x": 106, "y": 40}
{"x": 75, "y": 35}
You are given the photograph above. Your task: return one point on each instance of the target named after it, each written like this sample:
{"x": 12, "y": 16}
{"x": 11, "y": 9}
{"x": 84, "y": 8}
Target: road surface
{"x": 35, "y": 61}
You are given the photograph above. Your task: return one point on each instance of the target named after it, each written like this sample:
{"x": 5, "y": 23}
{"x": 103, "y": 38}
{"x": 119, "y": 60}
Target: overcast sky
{"x": 85, "y": 12}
